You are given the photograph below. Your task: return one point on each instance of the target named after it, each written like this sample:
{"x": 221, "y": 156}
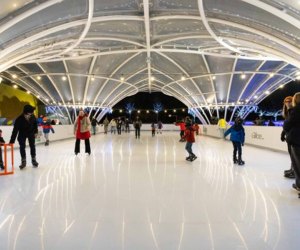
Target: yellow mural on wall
{"x": 12, "y": 102}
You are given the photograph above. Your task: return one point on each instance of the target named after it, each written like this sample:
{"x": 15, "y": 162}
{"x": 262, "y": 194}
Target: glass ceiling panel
{"x": 247, "y": 65}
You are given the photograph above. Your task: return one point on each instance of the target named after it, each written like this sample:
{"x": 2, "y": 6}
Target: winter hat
{"x": 28, "y": 109}
{"x": 238, "y": 121}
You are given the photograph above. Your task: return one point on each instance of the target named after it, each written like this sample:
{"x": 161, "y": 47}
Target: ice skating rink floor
{"x": 143, "y": 194}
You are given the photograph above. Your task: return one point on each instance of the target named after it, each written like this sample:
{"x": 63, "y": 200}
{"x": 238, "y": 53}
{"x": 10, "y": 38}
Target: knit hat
{"x": 28, "y": 109}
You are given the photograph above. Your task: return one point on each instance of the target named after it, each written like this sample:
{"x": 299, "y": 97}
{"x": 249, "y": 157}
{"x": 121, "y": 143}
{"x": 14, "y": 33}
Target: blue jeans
{"x": 188, "y": 147}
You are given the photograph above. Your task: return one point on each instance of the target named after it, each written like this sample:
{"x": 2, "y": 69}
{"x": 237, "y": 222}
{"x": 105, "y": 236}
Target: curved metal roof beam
{"x": 28, "y": 13}
{"x": 57, "y": 90}
{"x": 245, "y": 87}
{"x": 211, "y": 82}
{"x": 116, "y": 70}
{"x": 274, "y": 11}
{"x": 210, "y": 31}
{"x": 65, "y": 26}
{"x": 263, "y": 95}
{"x": 236, "y": 25}
{"x": 34, "y": 79}
{"x": 88, "y": 79}
{"x": 184, "y": 72}
{"x": 265, "y": 81}
{"x": 86, "y": 28}
{"x": 69, "y": 81}
{"x": 269, "y": 56}
{"x": 148, "y": 41}
{"x": 229, "y": 87}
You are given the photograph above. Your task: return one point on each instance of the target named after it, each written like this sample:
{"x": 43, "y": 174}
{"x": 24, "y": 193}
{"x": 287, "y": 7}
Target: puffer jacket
{"x": 237, "y": 133}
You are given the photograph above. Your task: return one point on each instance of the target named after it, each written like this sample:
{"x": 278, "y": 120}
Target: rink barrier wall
{"x": 265, "y": 137}
{"x": 258, "y": 136}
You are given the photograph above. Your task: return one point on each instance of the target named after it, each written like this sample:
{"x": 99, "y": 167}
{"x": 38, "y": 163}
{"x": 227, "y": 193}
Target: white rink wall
{"x": 261, "y": 136}
{"x": 266, "y": 137}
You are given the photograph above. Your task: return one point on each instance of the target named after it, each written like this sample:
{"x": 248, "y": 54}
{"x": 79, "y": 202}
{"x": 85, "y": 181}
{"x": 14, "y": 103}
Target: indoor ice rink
{"x": 221, "y": 59}
{"x": 143, "y": 194}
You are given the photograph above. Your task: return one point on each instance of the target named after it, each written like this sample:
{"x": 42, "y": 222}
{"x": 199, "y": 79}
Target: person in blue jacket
{"x": 237, "y": 136}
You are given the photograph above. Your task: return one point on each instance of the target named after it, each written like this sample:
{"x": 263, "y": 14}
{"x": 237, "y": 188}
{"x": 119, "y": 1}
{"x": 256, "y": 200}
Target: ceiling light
{"x": 183, "y": 78}
{"x": 139, "y": 111}
{"x": 39, "y": 78}
{"x": 147, "y": 111}
{"x": 1, "y": 79}
{"x": 298, "y": 77}
{"x": 272, "y": 74}
{"x": 122, "y": 78}
{"x": 64, "y": 78}
{"x": 14, "y": 76}
{"x": 93, "y": 78}
{"x": 152, "y": 78}
{"x": 214, "y": 77}
{"x": 37, "y": 96}
{"x": 28, "y": 92}
{"x": 255, "y": 97}
{"x": 281, "y": 86}
{"x": 267, "y": 92}
{"x": 15, "y": 86}
{"x": 243, "y": 76}
{"x": 47, "y": 100}
{"x": 183, "y": 110}
{"x": 166, "y": 111}
{"x": 174, "y": 110}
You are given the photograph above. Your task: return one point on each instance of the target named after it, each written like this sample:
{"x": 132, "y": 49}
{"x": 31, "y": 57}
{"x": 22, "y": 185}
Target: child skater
{"x": 1, "y": 142}
{"x": 46, "y": 129}
{"x": 238, "y": 138}
{"x": 189, "y": 136}
{"x": 153, "y": 127}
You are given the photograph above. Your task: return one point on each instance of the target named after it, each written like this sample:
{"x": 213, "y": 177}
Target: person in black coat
{"x": 292, "y": 128}
{"x": 25, "y": 127}
{"x": 286, "y": 110}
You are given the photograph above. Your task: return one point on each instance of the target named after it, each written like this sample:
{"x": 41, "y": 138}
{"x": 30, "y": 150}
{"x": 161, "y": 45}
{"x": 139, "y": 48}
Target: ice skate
{"x": 35, "y": 164}
{"x": 23, "y": 164}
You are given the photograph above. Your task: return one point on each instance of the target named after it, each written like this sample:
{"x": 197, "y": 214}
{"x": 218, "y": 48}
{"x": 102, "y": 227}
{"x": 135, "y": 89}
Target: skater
{"x": 181, "y": 125}
{"x": 46, "y": 125}
{"x": 159, "y": 127}
{"x": 153, "y": 127}
{"x": 286, "y": 110}
{"x": 137, "y": 124}
{"x": 82, "y": 132}
{"x": 222, "y": 127}
{"x": 127, "y": 128}
{"x": 238, "y": 138}
{"x": 113, "y": 126}
{"x": 119, "y": 126}
{"x": 25, "y": 127}
{"x": 1, "y": 142}
{"x": 105, "y": 124}
{"x": 94, "y": 125}
{"x": 189, "y": 136}
{"x": 292, "y": 128}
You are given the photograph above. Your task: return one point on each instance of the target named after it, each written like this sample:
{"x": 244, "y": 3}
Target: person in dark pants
{"x": 137, "y": 125}
{"x": 94, "y": 125}
{"x": 82, "y": 132}
{"x": 189, "y": 136}
{"x": 25, "y": 127}
{"x": 238, "y": 138}
{"x": 286, "y": 110}
{"x": 292, "y": 128}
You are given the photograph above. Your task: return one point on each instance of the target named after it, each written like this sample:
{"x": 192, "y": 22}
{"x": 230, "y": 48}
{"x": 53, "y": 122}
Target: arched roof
{"x": 206, "y": 53}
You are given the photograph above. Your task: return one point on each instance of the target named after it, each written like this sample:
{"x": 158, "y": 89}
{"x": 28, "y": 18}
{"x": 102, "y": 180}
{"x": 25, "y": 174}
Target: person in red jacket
{"x": 82, "y": 131}
{"x": 189, "y": 136}
{"x": 181, "y": 125}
